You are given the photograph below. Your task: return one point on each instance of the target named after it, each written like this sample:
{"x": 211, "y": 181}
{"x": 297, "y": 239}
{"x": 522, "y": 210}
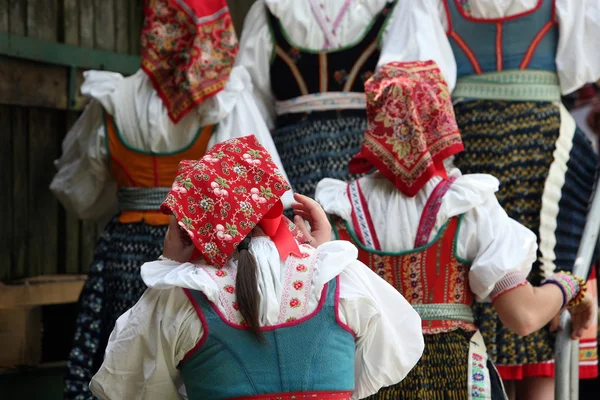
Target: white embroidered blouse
{"x": 150, "y": 340}
{"x": 83, "y": 183}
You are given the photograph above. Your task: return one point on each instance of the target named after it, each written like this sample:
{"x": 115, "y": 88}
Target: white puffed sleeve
{"x": 578, "y": 55}
{"x": 416, "y": 33}
{"x": 243, "y": 118}
{"x": 502, "y": 250}
{"x": 388, "y": 330}
{"x": 256, "y": 47}
{"x": 146, "y": 346}
{"x": 83, "y": 183}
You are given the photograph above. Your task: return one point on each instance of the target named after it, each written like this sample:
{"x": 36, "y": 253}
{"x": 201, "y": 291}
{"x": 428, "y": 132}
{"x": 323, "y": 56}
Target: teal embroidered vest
{"x": 312, "y": 354}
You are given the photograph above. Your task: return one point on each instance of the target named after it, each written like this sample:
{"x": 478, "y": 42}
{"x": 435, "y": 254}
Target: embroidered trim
{"x": 468, "y": 52}
{"x": 297, "y": 287}
{"x": 293, "y": 68}
{"x": 358, "y": 65}
{"x": 510, "y": 281}
{"x": 509, "y": 85}
{"x": 444, "y": 312}
{"x": 430, "y": 212}
{"x": 363, "y": 225}
{"x": 322, "y": 102}
{"x": 534, "y": 44}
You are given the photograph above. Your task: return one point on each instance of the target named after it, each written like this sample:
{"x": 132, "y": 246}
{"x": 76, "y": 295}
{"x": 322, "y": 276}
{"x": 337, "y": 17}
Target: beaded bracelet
{"x": 572, "y": 287}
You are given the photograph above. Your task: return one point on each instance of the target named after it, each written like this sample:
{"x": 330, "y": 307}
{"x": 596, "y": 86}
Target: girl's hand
{"x": 311, "y": 211}
{"x": 582, "y": 316}
{"x": 177, "y": 245}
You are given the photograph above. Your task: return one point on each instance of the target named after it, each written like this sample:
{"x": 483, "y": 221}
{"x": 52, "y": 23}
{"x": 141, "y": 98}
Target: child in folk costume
{"x": 257, "y": 316}
{"x": 123, "y": 154}
{"x": 440, "y": 238}
{"x": 508, "y": 62}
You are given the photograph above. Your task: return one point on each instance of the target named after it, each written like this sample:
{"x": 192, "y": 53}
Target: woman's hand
{"x": 582, "y": 316}
{"x": 311, "y": 211}
{"x": 177, "y": 245}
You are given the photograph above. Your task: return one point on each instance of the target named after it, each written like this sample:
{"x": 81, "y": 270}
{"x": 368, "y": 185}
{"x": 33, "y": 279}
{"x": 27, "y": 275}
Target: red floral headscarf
{"x": 411, "y": 128}
{"x": 188, "y": 50}
{"x": 220, "y": 198}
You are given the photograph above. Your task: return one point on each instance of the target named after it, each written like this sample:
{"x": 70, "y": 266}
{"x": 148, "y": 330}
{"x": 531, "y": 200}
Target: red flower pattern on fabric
{"x": 294, "y": 303}
{"x": 298, "y": 285}
{"x": 188, "y": 50}
{"x": 221, "y": 182}
{"x": 411, "y": 125}
{"x": 301, "y": 268}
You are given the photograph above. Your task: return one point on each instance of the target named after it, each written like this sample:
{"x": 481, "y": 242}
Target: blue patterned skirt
{"x": 113, "y": 286}
{"x": 318, "y": 145}
{"x": 547, "y": 177}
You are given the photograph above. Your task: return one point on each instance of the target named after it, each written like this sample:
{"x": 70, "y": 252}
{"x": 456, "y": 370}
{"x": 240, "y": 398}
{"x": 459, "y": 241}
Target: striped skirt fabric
{"x": 547, "y": 177}
{"x": 318, "y": 145}
{"x": 113, "y": 286}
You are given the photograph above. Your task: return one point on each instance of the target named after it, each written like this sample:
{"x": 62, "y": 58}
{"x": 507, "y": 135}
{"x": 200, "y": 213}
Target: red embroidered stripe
{"x": 534, "y": 44}
{"x": 469, "y": 53}
{"x": 499, "y": 56}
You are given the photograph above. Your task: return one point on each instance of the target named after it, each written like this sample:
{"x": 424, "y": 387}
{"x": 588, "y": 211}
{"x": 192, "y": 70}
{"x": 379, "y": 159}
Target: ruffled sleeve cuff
{"x": 510, "y": 281}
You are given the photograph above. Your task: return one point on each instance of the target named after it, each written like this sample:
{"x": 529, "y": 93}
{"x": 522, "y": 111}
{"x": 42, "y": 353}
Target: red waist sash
{"x": 299, "y": 395}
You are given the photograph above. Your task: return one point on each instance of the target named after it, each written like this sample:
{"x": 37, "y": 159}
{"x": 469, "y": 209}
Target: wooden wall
{"x": 37, "y": 236}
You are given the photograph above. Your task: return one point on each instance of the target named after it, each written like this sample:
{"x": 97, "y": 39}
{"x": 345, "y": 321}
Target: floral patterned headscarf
{"x": 188, "y": 50}
{"x": 219, "y": 199}
{"x": 411, "y": 128}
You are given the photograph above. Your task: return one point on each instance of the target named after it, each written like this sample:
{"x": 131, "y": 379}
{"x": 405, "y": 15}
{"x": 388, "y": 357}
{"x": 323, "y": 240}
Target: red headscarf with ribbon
{"x": 219, "y": 199}
{"x": 188, "y": 50}
{"x": 411, "y": 125}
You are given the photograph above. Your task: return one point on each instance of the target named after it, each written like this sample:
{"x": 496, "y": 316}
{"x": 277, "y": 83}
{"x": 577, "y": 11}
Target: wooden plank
{"x": 121, "y": 14}
{"x": 42, "y": 19}
{"x": 17, "y": 22}
{"x": 43, "y": 150}
{"x": 6, "y": 196}
{"x": 86, "y": 23}
{"x": 104, "y": 30}
{"x": 20, "y": 160}
{"x": 5, "y": 171}
{"x": 71, "y": 231}
{"x": 71, "y": 21}
{"x": 136, "y": 21}
{"x": 4, "y": 10}
{"x": 42, "y": 23}
{"x": 42, "y": 290}
{"x": 20, "y": 190}
{"x": 31, "y": 84}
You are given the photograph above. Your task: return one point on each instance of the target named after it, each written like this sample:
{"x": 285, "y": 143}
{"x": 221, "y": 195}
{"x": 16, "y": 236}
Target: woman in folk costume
{"x": 508, "y": 63}
{"x": 124, "y": 150}
{"x": 309, "y": 60}
{"x": 439, "y": 237}
{"x": 255, "y": 315}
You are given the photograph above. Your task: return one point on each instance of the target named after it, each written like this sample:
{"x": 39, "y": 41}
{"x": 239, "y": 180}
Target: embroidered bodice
{"x": 296, "y": 71}
{"x": 431, "y": 277}
{"x": 528, "y": 40}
